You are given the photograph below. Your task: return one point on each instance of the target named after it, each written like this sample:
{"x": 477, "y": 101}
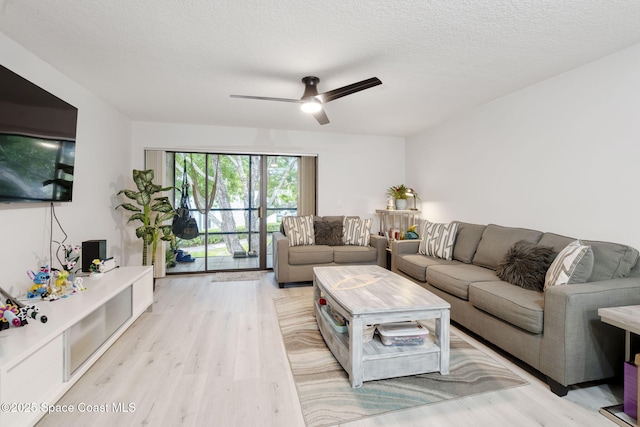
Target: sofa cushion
{"x": 357, "y": 231}
{"x": 354, "y": 254}
{"x": 526, "y": 264}
{"x": 438, "y": 239}
{"x": 611, "y": 260}
{"x": 416, "y": 265}
{"x": 332, "y": 218}
{"x": 573, "y": 264}
{"x": 310, "y": 254}
{"x": 496, "y": 241}
{"x": 455, "y": 279}
{"x": 328, "y": 232}
{"x": 299, "y": 230}
{"x": 467, "y": 240}
{"x": 556, "y": 241}
{"x": 520, "y": 307}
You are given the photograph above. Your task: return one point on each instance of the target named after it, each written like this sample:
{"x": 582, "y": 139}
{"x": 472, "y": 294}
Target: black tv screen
{"x": 37, "y": 142}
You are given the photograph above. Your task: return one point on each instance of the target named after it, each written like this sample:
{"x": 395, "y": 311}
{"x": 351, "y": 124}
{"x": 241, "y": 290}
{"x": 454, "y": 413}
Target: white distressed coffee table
{"x": 368, "y": 295}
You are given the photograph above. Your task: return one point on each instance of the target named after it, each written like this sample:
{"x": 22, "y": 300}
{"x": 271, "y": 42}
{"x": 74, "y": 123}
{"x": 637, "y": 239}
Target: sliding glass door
{"x": 238, "y": 200}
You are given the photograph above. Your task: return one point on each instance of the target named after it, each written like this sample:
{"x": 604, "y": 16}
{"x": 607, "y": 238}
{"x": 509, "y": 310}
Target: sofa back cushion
{"x": 332, "y": 218}
{"x": 610, "y": 260}
{"x": 467, "y": 240}
{"x": 497, "y": 240}
{"x": 556, "y": 241}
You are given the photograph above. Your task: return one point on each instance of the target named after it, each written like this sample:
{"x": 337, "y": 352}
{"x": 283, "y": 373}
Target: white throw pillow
{"x": 299, "y": 230}
{"x": 572, "y": 265}
{"x": 357, "y": 232}
{"x": 438, "y": 239}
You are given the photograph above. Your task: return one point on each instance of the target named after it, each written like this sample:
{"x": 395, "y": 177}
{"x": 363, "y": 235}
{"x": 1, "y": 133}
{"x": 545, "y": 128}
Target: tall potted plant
{"x": 151, "y": 211}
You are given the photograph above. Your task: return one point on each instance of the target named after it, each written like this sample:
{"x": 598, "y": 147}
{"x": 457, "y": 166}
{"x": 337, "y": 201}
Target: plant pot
{"x": 401, "y": 204}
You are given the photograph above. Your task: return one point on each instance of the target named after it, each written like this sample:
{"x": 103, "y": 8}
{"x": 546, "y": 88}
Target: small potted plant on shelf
{"x": 400, "y": 193}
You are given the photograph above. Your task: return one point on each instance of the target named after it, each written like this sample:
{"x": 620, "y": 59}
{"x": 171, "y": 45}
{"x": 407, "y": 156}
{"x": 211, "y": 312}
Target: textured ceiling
{"x": 178, "y": 61}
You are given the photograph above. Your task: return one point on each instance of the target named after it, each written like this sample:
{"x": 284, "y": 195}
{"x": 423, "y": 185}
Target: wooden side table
{"x": 400, "y": 219}
{"x": 627, "y": 318}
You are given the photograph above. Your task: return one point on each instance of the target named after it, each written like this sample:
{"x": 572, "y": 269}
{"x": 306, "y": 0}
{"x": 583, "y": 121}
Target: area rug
{"x": 326, "y": 395}
{"x": 237, "y": 276}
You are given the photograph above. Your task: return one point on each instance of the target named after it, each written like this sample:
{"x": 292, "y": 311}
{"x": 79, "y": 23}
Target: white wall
{"x": 103, "y": 159}
{"x": 353, "y": 170}
{"x": 562, "y": 155}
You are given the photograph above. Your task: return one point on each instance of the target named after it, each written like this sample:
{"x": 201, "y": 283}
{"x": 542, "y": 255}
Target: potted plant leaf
{"x": 151, "y": 211}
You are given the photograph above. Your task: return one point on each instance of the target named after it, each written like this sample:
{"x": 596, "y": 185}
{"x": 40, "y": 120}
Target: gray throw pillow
{"x": 525, "y": 264}
{"x": 572, "y": 265}
{"x": 328, "y": 233}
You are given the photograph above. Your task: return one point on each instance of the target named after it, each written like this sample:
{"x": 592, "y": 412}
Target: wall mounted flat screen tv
{"x": 37, "y": 142}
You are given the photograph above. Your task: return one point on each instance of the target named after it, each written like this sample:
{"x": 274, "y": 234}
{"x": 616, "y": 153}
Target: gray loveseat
{"x": 557, "y": 331}
{"x": 295, "y": 263}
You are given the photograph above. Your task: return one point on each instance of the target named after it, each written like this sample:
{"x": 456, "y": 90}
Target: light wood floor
{"x": 211, "y": 354}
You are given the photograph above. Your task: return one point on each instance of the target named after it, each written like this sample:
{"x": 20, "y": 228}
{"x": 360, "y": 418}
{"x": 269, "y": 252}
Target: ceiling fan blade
{"x": 267, "y": 98}
{"x": 348, "y": 90}
{"x": 321, "y": 117}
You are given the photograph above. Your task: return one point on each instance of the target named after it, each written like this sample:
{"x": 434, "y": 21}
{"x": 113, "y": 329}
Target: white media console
{"x": 39, "y": 362}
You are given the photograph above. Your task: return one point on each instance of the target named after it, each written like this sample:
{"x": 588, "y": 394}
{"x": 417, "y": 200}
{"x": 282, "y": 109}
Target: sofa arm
{"x": 576, "y": 345}
{"x": 405, "y": 246}
{"x": 280, "y": 257}
{"x": 400, "y": 247}
{"x": 380, "y": 244}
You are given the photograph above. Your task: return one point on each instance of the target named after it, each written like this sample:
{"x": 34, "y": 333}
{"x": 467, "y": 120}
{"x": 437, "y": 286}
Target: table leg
{"x": 316, "y": 293}
{"x": 442, "y": 336}
{"x": 355, "y": 352}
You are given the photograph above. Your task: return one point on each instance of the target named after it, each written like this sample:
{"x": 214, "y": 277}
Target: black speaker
{"x": 93, "y": 249}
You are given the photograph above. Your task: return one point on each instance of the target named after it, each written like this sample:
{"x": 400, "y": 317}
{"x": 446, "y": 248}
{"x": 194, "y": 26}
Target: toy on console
{"x": 77, "y": 285}
{"x": 59, "y": 289}
{"x": 9, "y": 314}
{"x": 25, "y": 311}
{"x": 40, "y": 286}
{"x": 32, "y": 311}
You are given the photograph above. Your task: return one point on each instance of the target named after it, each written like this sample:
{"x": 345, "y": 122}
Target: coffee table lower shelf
{"x": 378, "y": 360}
{"x": 616, "y": 414}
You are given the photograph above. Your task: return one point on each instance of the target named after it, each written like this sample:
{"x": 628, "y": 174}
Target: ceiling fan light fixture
{"x": 311, "y": 106}
{"x": 311, "y": 101}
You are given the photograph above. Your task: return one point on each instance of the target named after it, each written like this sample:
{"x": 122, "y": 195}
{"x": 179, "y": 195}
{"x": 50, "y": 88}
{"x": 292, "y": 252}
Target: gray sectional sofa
{"x": 295, "y": 263}
{"x": 557, "y": 330}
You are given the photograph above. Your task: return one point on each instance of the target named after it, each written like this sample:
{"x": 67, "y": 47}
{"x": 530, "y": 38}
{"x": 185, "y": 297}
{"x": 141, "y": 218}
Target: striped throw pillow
{"x": 299, "y": 230}
{"x": 357, "y": 232}
{"x": 438, "y": 239}
{"x": 572, "y": 265}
